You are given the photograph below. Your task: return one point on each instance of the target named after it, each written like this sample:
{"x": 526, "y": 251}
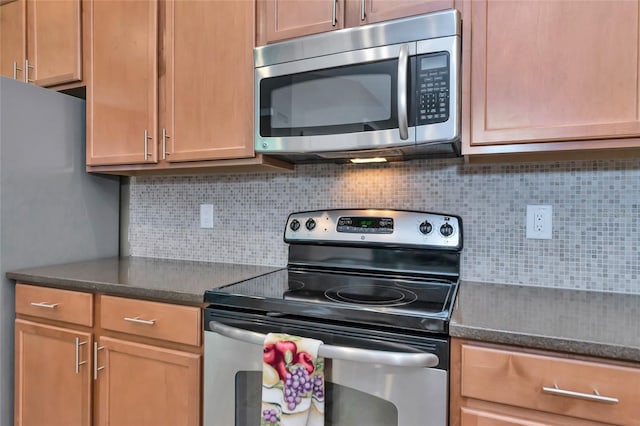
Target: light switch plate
{"x": 206, "y": 215}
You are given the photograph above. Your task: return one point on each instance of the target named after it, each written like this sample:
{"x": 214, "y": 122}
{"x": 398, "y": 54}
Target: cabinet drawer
{"x": 175, "y": 323}
{"x": 600, "y": 392}
{"x": 55, "y": 304}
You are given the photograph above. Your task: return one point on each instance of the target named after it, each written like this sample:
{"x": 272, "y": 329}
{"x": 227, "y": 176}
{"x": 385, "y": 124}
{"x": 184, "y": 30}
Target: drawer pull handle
{"x": 595, "y": 396}
{"x": 137, "y": 320}
{"x": 44, "y": 305}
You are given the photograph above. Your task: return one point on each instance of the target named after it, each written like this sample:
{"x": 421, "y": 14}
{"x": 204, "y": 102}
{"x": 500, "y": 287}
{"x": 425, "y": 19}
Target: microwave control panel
{"x": 432, "y": 75}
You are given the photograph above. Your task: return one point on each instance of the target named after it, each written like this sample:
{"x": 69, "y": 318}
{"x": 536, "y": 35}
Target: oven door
{"x": 355, "y": 100}
{"x": 372, "y": 378}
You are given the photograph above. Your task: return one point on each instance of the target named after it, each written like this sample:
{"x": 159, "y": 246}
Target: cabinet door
{"x": 52, "y": 376}
{"x": 13, "y": 41}
{"x": 209, "y": 74}
{"x": 54, "y": 42}
{"x": 145, "y": 385}
{"x": 283, "y": 19}
{"x": 542, "y": 71}
{"x": 122, "y": 93}
{"x": 384, "y": 10}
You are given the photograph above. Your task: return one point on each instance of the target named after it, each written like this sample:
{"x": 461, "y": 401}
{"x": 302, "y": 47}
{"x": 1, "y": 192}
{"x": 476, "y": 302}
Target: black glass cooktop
{"x": 422, "y": 303}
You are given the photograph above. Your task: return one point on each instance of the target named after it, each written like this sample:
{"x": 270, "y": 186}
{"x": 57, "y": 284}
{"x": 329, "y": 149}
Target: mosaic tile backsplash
{"x": 596, "y": 215}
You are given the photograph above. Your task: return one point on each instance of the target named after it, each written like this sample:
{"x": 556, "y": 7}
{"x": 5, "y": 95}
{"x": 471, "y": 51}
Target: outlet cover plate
{"x": 206, "y": 216}
{"x": 539, "y": 222}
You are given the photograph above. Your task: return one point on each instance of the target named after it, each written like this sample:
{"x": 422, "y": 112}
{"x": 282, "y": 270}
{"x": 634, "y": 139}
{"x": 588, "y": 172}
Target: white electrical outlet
{"x": 539, "y": 222}
{"x": 206, "y": 215}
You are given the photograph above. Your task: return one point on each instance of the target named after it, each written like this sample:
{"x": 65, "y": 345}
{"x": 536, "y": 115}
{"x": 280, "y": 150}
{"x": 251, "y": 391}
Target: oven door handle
{"x": 345, "y": 353}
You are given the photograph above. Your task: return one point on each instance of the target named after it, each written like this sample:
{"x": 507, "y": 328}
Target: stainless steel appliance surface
{"x": 376, "y": 286}
{"x": 388, "y": 89}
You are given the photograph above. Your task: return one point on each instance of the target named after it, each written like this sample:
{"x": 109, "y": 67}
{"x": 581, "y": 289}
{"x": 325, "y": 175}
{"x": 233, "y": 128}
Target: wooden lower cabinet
{"x": 145, "y": 385}
{"x": 469, "y": 417}
{"x": 52, "y": 375}
{"x": 498, "y": 385}
{"x": 83, "y": 359}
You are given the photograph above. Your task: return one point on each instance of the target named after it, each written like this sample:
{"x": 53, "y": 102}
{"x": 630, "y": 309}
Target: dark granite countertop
{"x": 175, "y": 281}
{"x": 581, "y": 322}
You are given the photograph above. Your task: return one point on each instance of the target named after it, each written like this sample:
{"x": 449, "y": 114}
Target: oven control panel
{"x": 375, "y": 227}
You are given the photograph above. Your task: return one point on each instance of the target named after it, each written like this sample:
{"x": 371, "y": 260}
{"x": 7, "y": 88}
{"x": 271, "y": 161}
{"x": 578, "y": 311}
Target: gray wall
{"x": 51, "y": 211}
{"x": 596, "y": 210}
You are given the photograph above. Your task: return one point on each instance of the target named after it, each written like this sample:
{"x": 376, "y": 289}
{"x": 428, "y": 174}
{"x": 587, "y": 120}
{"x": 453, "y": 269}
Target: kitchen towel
{"x": 292, "y": 381}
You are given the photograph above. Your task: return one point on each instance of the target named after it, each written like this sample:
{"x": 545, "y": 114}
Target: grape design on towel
{"x": 292, "y": 382}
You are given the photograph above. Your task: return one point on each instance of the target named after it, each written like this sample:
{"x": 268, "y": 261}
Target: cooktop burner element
{"x": 384, "y": 268}
{"x": 367, "y": 294}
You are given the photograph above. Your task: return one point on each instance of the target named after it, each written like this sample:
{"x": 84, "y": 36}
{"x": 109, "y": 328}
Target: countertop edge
{"x": 528, "y": 340}
{"x": 108, "y": 288}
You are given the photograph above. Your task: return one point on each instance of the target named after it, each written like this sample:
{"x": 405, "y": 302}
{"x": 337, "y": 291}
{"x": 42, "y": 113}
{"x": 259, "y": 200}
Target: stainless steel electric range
{"x": 376, "y": 286}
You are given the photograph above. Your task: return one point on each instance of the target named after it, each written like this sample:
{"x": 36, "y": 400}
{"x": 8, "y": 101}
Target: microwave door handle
{"x": 345, "y": 353}
{"x": 403, "y": 63}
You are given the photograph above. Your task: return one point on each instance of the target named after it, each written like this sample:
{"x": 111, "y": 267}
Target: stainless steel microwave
{"x": 388, "y": 89}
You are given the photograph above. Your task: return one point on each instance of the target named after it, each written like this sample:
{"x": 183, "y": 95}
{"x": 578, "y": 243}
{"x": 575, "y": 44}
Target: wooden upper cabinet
{"x": 541, "y": 71}
{"x": 122, "y": 94}
{"x": 284, "y": 19}
{"x": 41, "y": 41}
{"x": 13, "y": 39}
{"x": 54, "y": 42}
{"x": 384, "y": 10}
{"x": 209, "y": 80}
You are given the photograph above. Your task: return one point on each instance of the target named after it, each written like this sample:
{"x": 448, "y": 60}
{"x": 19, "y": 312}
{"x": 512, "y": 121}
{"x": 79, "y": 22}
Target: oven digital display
{"x": 365, "y": 224}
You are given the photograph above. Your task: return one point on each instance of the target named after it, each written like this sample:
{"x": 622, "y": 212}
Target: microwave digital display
{"x": 367, "y": 225}
{"x": 433, "y": 61}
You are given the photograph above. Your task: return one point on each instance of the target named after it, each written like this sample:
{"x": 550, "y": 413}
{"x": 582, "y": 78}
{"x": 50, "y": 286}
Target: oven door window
{"x": 347, "y": 99}
{"x": 344, "y": 406}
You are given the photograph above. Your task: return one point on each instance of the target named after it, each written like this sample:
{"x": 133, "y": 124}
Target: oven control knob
{"x": 446, "y": 230}
{"x": 310, "y": 224}
{"x": 425, "y": 227}
{"x": 294, "y": 225}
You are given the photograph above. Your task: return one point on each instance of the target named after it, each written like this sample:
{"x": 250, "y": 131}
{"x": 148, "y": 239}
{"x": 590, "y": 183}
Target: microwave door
{"x": 348, "y": 101}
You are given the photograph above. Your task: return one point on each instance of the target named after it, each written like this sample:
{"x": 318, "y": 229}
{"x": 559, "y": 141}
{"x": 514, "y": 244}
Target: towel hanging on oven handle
{"x": 397, "y": 359}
